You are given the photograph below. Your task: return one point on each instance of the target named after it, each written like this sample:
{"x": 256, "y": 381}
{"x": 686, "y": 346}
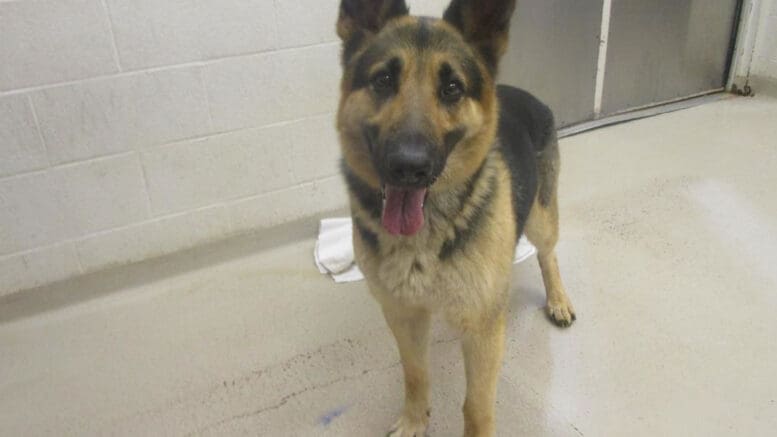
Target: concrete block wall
{"x": 134, "y": 128}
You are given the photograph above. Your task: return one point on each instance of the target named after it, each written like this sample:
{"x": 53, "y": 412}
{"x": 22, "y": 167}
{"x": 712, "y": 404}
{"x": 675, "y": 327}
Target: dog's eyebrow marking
{"x": 479, "y": 210}
{"x": 474, "y": 77}
{"x": 363, "y": 63}
{"x": 446, "y": 71}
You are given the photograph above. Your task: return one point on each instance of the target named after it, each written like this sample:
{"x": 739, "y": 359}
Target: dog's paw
{"x": 408, "y": 427}
{"x": 561, "y": 313}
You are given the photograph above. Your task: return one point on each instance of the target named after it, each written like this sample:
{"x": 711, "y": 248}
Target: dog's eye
{"x": 382, "y": 83}
{"x": 452, "y": 91}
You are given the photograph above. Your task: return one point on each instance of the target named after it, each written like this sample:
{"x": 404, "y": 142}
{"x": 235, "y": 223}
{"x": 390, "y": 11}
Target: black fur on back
{"x": 526, "y": 128}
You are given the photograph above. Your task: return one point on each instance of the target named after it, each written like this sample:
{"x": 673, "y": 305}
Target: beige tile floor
{"x": 669, "y": 252}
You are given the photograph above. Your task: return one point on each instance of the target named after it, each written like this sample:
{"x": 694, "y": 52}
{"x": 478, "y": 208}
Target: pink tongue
{"x": 403, "y": 212}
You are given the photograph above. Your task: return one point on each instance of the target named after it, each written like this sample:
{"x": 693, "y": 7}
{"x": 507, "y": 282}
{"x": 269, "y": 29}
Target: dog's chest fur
{"x": 410, "y": 267}
{"x": 464, "y": 249}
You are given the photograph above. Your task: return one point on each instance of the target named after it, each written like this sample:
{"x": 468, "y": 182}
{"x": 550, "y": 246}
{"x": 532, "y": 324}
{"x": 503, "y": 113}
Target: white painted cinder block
{"x": 31, "y": 214}
{"x": 153, "y": 238}
{"x": 101, "y": 167}
{"x": 312, "y": 148}
{"x": 51, "y": 41}
{"x": 304, "y": 22}
{"x": 289, "y": 204}
{"x": 21, "y": 148}
{"x": 152, "y": 32}
{"x": 36, "y": 268}
{"x": 269, "y": 88}
{"x": 240, "y": 164}
{"x": 101, "y": 194}
{"x": 108, "y": 116}
{"x": 228, "y": 166}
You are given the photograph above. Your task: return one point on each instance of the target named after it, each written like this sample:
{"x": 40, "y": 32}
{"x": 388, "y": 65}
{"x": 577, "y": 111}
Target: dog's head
{"x": 418, "y": 111}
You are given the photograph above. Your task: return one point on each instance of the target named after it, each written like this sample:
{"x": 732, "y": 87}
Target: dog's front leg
{"x": 411, "y": 330}
{"x": 483, "y": 346}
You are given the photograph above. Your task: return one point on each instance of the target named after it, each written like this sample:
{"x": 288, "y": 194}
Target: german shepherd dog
{"x": 445, "y": 170}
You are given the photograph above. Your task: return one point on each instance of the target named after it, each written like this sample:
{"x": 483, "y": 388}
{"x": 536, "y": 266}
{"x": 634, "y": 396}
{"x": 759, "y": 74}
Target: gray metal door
{"x": 661, "y": 50}
{"x": 553, "y": 52}
{"x": 653, "y": 51}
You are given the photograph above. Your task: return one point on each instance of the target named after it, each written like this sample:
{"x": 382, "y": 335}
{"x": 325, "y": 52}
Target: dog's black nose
{"x": 409, "y": 166}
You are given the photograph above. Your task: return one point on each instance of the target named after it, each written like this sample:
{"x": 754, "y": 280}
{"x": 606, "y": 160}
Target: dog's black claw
{"x": 561, "y": 323}
{"x": 560, "y": 316}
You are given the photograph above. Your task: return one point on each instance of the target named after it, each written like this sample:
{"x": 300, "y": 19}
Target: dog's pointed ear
{"x": 484, "y": 23}
{"x": 358, "y": 16}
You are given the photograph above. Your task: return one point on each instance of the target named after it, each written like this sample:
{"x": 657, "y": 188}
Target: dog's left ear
{"x": 358, "y": 16}
{"x": 484, "y": 23}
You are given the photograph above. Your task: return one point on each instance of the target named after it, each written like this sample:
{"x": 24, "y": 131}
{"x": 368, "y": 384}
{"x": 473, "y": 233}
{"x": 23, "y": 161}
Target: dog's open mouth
{"x": 403, "y": 209}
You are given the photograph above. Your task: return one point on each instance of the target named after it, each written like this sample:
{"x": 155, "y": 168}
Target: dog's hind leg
{"x": 411, "y": 330}
{"x": 542, "y": 230}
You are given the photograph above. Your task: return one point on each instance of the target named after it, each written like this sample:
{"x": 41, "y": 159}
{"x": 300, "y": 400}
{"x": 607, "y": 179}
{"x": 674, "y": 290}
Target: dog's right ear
{"x": 360, "y": 16}
{"x": 484, "y": 23}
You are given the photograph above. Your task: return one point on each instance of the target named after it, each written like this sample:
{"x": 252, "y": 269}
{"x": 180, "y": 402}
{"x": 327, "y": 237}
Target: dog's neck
{"x": 452, "y": 199}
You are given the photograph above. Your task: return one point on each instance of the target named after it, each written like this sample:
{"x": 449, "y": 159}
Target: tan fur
{"x": 542, "y": 231}
{"x": 479, "y": 117}
{"x": 407, "y": 275}
{"x": 471, "y": 290}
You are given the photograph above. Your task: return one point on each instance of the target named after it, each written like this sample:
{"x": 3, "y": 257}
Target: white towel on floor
{"x": 334, "y": 250}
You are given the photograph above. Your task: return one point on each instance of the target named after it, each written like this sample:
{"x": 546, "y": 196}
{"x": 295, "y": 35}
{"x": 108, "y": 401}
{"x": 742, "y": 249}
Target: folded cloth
{"x": 334, "y": 250}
